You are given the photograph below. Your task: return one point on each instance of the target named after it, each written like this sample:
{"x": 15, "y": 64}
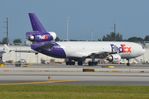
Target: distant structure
{"x": 7, "y": 36}
{"x": 67, "y": 29}
{"x": 114, "y": 28}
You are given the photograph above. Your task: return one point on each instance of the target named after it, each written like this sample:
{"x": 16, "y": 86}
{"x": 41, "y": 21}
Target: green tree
{"x": 135, "y": 39}
{"x": 146, "y": 38}
{"x": 5, "y": 40}
{"x": 17, "y": 41}
{"x": 113, "y": 37}
{"x": 57, "y": 39}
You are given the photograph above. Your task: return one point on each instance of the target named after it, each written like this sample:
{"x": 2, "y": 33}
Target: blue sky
{"x": 86, "y": 17}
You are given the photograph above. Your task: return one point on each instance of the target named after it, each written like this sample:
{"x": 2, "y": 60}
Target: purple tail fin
{"x": 36, "y": 24}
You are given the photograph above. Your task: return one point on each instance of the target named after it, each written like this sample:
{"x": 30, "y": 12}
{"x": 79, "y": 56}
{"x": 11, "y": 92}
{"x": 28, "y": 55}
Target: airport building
{"x": 12, "y": 56}
{"x": 145, "y": 58}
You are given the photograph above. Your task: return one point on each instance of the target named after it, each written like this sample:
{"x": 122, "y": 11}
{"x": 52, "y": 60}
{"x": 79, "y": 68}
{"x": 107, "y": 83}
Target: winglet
{"x": 36, "y": 24}
{"x": 7, "y": 49}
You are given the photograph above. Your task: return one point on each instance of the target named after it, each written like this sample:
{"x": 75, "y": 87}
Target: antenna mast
{"x": 67, "y": 31}
{"x": 114, "y": 28}
{"x": 7, "y": 38}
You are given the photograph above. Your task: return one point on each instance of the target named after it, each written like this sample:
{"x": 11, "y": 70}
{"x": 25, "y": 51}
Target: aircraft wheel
{"x": 72, "y": 63}
{"x": 67, "y": 63}
{"x": 128, "y": 64}
{"x": 92, "y": 63}
{"x": 80, "y": 63}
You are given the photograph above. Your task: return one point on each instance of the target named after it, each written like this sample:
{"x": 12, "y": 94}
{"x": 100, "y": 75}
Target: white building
{"x": 29, "y": 57}
{"x": 145, "y": 58}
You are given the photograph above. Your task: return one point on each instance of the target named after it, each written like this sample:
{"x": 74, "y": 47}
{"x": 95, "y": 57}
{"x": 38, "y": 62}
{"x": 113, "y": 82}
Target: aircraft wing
{"x": 89, "y": 54}
{"x": 25, "y": 51}
{"x": 95, "y": 53}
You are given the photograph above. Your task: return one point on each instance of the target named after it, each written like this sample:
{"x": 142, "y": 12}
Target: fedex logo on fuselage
{"x": 122, "y": 49}
{"x": 43, "y": 37}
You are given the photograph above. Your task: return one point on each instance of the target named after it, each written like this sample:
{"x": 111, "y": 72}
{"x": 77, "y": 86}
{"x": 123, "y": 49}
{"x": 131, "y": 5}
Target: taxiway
{"x": 54, "y": 74}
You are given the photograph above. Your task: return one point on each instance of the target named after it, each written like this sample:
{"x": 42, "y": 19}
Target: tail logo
{"x": 43, "y": 37}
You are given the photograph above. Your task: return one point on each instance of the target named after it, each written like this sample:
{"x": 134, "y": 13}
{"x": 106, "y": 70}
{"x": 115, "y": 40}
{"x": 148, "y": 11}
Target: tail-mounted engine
{"x": 40, "y": 37}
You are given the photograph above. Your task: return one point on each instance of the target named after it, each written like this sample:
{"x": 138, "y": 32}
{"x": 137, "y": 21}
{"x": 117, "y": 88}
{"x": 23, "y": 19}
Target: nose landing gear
{"x": 128, "y": 63}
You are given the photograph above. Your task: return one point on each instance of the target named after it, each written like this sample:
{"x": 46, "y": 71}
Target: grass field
{"x": 72, "y": 92}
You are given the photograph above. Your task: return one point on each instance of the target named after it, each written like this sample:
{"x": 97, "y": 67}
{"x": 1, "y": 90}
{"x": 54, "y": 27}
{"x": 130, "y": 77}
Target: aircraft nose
{"x": 143, "y": 51}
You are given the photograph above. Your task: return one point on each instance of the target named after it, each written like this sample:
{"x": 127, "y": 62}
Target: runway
{"x": 107, "y": 79}
{"x": 67, "y": 75}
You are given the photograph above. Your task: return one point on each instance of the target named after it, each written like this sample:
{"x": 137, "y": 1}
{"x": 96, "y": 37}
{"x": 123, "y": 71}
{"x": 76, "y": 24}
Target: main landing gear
{"x": 70, "y": 61}
{"x": 93, "y": 62}
{"x": 80, "y": 62}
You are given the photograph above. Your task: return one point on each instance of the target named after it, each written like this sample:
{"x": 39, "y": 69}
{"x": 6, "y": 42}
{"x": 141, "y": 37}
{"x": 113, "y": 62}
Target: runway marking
{"x": 40, "y": 82}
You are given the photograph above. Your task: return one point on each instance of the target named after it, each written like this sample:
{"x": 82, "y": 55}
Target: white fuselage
{"x": 85, "y": 48}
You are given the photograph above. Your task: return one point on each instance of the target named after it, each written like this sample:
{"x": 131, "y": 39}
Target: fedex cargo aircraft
{"x": 78, "y": 51}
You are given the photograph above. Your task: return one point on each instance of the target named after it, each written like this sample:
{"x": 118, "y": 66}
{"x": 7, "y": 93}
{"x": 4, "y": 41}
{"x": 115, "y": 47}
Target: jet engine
{"x": 40, "y": 37}
{"x": 115, "y": 58}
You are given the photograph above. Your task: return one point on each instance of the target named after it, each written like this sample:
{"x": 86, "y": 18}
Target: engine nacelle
{"x": 40, "y": 37}
{"x": 115, "y": 58}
